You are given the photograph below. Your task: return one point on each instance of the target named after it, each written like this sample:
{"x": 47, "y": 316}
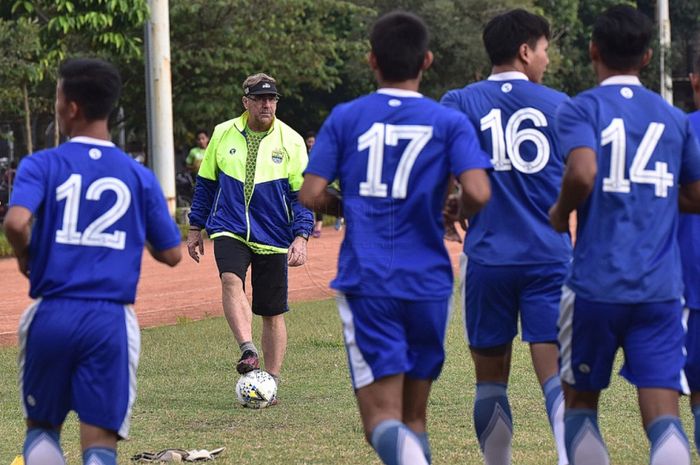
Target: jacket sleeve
{"x": 207, "y": 183}
{"x": 303, "y": 218}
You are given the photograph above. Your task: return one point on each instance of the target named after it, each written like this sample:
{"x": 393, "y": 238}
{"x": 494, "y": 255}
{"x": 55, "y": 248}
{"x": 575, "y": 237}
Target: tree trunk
{"x": 27, "y": 119}
{"x": 56, "y": 132}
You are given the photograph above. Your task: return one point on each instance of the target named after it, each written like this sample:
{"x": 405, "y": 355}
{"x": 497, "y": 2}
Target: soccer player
{"x": 631, "y": 159}
{"x": 515, "y": 263}
{"x": 689, "y": 240}
{"x": 93, "y": 208}
{"x": 394, "y": 151}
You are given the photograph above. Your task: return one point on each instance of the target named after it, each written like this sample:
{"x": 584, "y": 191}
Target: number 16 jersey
{"x": 515, "y": 122}
{"x": 393, "y": 152}
{"x": 626, "y": 249}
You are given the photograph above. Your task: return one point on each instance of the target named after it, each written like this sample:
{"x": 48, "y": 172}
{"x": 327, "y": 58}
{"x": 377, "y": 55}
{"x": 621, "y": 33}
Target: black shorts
{"x": 268, "y": 278}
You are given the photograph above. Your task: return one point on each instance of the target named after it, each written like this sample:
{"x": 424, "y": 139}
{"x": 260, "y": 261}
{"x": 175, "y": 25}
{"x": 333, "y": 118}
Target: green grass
{"x": 187, "y": 400}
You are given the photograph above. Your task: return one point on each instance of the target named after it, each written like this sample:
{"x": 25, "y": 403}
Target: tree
{"x": 19, "y": 47}
{"x": 65, "y": 28}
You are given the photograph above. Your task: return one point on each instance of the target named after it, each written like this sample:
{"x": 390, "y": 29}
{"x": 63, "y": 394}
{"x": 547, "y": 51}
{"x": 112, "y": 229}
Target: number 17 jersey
{"x": 393, "y": 152}
{"x": 626, "y": 249}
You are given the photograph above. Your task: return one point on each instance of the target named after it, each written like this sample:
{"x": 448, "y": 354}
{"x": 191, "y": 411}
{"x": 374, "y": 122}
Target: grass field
{"x": 186, "y": 400}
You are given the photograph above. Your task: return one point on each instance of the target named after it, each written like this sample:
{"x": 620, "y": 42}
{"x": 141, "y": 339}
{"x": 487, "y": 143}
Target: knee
{"x": 231, "y": 282}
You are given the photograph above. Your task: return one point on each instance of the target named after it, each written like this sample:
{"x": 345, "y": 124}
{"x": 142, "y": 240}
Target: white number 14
{"x": 659, "y": 177}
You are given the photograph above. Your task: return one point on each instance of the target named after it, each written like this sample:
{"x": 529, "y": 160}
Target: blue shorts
{"x": 80, "y": 355}
{"x": 692, "y": 347}
{"x": 494, "y": 296}
{"x": 386, "y": 336}
{"x": 650, "y": 334}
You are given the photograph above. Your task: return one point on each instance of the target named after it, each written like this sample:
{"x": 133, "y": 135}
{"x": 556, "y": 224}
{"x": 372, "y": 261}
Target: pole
{"x": 666, "y": 81}
{"x": 161, "y": 148}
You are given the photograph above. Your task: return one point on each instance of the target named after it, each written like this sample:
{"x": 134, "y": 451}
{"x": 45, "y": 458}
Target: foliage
{"x": 71, "y": 27}
{"x": 19, "y": 49}
{"x": 307, "y": 45}
{"x": 316, "y": 50}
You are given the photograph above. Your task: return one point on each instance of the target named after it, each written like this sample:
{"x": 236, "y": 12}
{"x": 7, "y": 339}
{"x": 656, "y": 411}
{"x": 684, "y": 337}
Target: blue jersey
{"x": 393, "y": 152}
{"x": 515, "y": 122}
{"x": 627, "y": 249}
{"x": 94, "y": 207}
{"x": 689, "y": 240}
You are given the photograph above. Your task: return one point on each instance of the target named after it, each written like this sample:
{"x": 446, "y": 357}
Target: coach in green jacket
{"x": 246, "y": 198}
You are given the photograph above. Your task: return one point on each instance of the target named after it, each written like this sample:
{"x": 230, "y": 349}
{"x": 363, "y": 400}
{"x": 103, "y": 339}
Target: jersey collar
{"x": 91, "y": 141}
{"x": 622, "y": 79}
{"x": 398, "y": 92}
{"x": 508, "y": 76}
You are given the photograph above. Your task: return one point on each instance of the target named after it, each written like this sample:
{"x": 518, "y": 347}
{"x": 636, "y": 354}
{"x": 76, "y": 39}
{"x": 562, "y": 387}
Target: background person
{"x": 196, "y": 154}
{"x": 93, "y": 208}
{"x": 246, "y": 197}
{"x": 514, "y": 262}
{"x": 394, "y": 277}
{"x": 631, "y": 160}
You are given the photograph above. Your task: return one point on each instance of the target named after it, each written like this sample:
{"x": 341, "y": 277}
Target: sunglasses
{"x": 263, "y": 98}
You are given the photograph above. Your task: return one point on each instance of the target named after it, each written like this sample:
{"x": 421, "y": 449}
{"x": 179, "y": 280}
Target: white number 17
{"x": 374, "y": 139}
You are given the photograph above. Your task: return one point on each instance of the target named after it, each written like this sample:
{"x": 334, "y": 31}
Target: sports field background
{"x": 186, "y": 393}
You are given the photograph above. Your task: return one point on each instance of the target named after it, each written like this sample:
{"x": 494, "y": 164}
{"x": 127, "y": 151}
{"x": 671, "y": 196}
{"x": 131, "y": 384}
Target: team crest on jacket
{"x": 277, "y": 156}
{"x": 232, "y": 151}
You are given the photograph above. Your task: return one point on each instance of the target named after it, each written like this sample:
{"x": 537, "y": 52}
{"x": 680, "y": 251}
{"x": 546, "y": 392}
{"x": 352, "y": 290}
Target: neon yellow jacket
{"x": 274, "y": 216}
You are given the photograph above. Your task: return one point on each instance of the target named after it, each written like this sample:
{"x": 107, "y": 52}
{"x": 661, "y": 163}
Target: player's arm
{"x": 316, "y": 196}
{"x": 171, "y": 256}
{"x": 303, "y": 219}
{"x": 17, "y": 226}
{"x": 577, "y": 184}
{"x": 476, "y": 190}
{"x": 689, "y": 197}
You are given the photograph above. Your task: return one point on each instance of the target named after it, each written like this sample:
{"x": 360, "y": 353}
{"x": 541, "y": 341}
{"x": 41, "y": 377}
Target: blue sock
{"x": 696, "y": 416}
{"x": 554, "y": 402}
{"x": 425, "y": 444}
{"x": 42, "y": 447}
{"x": 669, "y": 443}
{"x": 584, "y": 444}
{"x": 396, "y": 444}
{"x": 493, "y": 422}
{"x": 99, "y": 456}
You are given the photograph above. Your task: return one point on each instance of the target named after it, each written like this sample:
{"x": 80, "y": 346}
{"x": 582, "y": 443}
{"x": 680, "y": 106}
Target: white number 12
{"x": 374, "y": 139}
{"x": 93, "y": 235}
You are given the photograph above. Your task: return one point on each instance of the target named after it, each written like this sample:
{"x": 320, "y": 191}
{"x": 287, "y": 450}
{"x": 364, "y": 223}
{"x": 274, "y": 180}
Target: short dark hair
{"x": 201, "y": 131}
{"x": 93, "y": 84}
{"x": 622, "y": 34}
{"x": 399, "y": 42}
{"x": 310, "y": 134}
{"x": 504, "y": 34}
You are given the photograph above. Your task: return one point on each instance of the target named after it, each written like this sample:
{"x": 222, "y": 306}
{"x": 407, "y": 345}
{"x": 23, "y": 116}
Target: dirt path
{"x": 189, "y": 290}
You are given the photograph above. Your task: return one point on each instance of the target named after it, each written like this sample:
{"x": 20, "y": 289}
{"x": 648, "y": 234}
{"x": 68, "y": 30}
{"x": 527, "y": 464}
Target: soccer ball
{"x": 256, "y": 389}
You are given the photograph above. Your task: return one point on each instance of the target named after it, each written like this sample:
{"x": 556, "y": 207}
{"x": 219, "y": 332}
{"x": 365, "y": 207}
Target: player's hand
{"x": 454, "y": 213}
{"x": 559, "y": 221}
{"x": 195, "y": 242}
{"x": 296, "y": 256}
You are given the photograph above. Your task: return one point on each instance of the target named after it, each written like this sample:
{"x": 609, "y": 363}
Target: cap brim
{"x": 265, "y": 92}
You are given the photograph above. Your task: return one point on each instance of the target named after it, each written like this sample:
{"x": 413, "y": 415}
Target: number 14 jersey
{"x": 626, "y": 249}
{"x": 393, "y": 152}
